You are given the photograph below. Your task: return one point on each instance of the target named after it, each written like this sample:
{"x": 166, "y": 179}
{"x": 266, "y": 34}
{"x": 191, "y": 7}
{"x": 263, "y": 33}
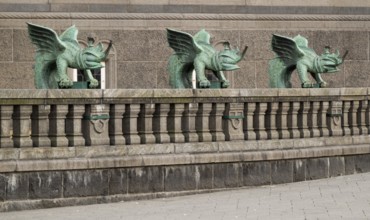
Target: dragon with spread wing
{"x": 197, "y": 53}
{"x": 295, "y": 54}
{"x": 55, "y": 54}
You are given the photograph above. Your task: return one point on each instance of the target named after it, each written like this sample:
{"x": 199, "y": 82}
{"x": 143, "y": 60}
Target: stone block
{"x": 349, "y": 165}
{"x": 362, "y": 163}
{"x": 317, "y": 168}
{"x": 262, "y": 78}
{"x": 227, "y": 175}
{"x": 145, "y": 179}
{"x": 256, "y": 173}
{"x": 83, "y": 183}
{"x": 118, "y": 181}
{"x": 45, "y": 185}
{"x": 17, "y": 186}
{"x": 246, "y": 76}
{"x": 3, "y": 183}
{"x": 204, "y": 176}
{"x": 180, "y": 178}
{"x": 356, "y": 73}
{"x": 6, "y": 44}
{"x": 137, "y": 75}
{"x": 69, "y": 7}
{"x": 19, "y": 75}
{"x": 336, "y": 166}
{"x": 353, "y": 41}
{"x": 196, "y": 147}
{"x": 299, "y": 169}
{"x": 282, "y": 171}
{"x": 150, "y": 149}
{"x": 23, "y": 49}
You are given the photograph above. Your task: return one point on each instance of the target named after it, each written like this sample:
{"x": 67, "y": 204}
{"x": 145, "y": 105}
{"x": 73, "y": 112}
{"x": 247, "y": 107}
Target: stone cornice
{"x": 177, "y": 16}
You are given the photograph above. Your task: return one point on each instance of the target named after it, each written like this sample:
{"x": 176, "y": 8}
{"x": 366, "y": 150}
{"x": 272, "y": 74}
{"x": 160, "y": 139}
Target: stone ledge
{"x": 26, "y": 165}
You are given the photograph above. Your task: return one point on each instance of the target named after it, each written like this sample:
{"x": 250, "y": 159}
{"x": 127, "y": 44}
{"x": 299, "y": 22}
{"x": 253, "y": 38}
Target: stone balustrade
{"x": 63, "y": 118}
{"x": 68, "y": 147}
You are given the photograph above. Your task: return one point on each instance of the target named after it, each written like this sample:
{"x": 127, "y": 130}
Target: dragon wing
{"x": 286, "y": 48}
{"x": 70, "y": 35}
{"x": 46, "y": 40}
{"x": 184, "y": 45}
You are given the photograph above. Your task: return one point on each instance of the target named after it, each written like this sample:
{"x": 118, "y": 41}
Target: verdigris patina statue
{"x": 55, "y": 54}
{"x": 197, "y": 53}
{"x": 294, "y": 54}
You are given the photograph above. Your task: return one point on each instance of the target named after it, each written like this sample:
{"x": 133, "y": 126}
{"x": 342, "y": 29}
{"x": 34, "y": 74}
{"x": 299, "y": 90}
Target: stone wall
{"x": 140, "y": 53}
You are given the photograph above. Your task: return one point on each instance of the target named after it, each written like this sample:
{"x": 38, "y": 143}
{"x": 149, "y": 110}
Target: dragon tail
{"x": 279, "y": 74}
{"x": 180, "y": 73}
{"x": 44, "y": 71}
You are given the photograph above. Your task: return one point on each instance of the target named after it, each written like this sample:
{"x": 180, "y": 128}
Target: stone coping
{"x": 108, "y": 96}
{"x": 75, "y": 158}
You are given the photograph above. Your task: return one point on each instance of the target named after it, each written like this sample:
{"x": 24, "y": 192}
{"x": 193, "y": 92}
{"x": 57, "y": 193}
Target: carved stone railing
{"x": 68, "y": 147}
{"x": 62, "y": 118}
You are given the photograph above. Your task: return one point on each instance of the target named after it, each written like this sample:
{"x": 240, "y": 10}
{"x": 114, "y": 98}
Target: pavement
{"x": 344, "y": 197}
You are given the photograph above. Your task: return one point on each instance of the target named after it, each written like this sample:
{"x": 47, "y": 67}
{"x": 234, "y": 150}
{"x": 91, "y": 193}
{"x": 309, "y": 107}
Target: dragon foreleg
{"x": 199, "y": 67}
{"x": 90, "y": 78}
{"x": 62, "y": 78}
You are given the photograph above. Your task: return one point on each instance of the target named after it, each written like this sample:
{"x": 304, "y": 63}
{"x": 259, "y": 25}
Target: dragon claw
{"x": 93, "y": 83}
{"x": 225, "y": 83}
{"x": 65, "y": 83}
{"x": 204, "y": 84}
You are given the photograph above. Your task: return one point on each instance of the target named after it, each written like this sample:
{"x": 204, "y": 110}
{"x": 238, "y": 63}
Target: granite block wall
{"x": 141, "y": 51}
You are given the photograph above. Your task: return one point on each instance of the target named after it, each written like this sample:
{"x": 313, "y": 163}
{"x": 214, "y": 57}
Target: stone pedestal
{"x": 233, "y": 121}
{"x": 282, "y": 122}
{"x": 271, "y": 128}
{"x": 202, "y": 122}
{"x": 216, "y": 122}
{"x": 249, "y": 133}
{"x": 95, "y": 125}
{"x": 57, "y": 120}
{"x": 146, "y": 123}
{"x": 115, "y": 124}
{"x": 130, "y": 122}
{"x": 160, "y": 123}
{"x": 74, "y": 125}
{"x": 6, "y": 120}
{"x": 334, "y": 118}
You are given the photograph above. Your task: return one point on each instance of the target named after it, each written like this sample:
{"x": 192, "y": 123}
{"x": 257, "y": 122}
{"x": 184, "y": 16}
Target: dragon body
{"x": 295, "y": 54}
{"x": 196, "y": 53}
{"x": 55, "y": 54}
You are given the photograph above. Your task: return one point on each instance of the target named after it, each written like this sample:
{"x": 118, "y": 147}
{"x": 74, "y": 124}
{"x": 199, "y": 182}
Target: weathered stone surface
{"x": 350, "y": 165}
{"x": 196, "y": 147}
{"x": 317, "y": 168}
{"x": 145, "y": 179}
{"x": 356, "y": 73}
{"x": 179, "y": 178}
{"x": 23, "y": 49}
{"x": 282, "y": 171}
{"x": 336, "y": 166}
{"x": 85, "y": 183}
{"x": 6, "y": 44}
{"x": 256, "y": 173}
{"x": 118, "y": 181}
{"x": 3, "y": 183}
{"x": 204, "y": 176}
{"x": 16, "y": 76}
{"x": 227, "y": 175}
{"x": 45, "y": 185}
{"x": 362, "y": 163}
{"x": 17, "y": 186}
{"x": 138, "y": 75}
{"x": 299, "y": 170}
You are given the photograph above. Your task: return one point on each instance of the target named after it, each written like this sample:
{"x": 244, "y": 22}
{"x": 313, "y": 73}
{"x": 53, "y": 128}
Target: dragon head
{"x": 329, "y": 62}
{"x": 228, "y": 58}
{"x": 92, "y": 56}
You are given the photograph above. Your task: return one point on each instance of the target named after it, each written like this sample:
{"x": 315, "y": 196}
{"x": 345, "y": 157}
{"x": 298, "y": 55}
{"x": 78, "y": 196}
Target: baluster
{"x": 116, "y": 124}
{"x": 40, "y": 125}
{"x": 345, "y": 118}
{"x": 323, "y": 125}
{"x": 313, "y": 119}
{"x": 174, "y": 123}
{"x": 202, "y": 122}
{"x": 160, "y": 123}
{"x": 146, "y": 124}
{"x": 130, "y": 123}
{"x": 259, "y": 121}
{"x": 188, "y": 122}
{"x": 74, "y": 125}
{"x": 352, "y": 117}
{"x": 216, "y": 122}
{"x": 283, "y": 120}
{"x": 271, "y": 118}
{"x": 361, "y": 117}
{"x": 303, "y": 119}
{"x": 293, "y": 120}
{"x": 248, "y": 128}
{"x": 21, "y": 126}
{"x": 57, "y": 119}
{"x": 6, "y": 122}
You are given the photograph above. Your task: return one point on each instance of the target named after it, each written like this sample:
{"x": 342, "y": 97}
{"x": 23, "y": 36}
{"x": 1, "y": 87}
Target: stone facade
{"x": 140, "y": 53}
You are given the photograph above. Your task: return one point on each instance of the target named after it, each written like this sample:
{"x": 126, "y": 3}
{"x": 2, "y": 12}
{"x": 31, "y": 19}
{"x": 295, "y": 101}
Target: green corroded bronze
{"x": 197, "y": 53}
{"x": 55, "y": 54}
{"x": 294, "y": 53}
